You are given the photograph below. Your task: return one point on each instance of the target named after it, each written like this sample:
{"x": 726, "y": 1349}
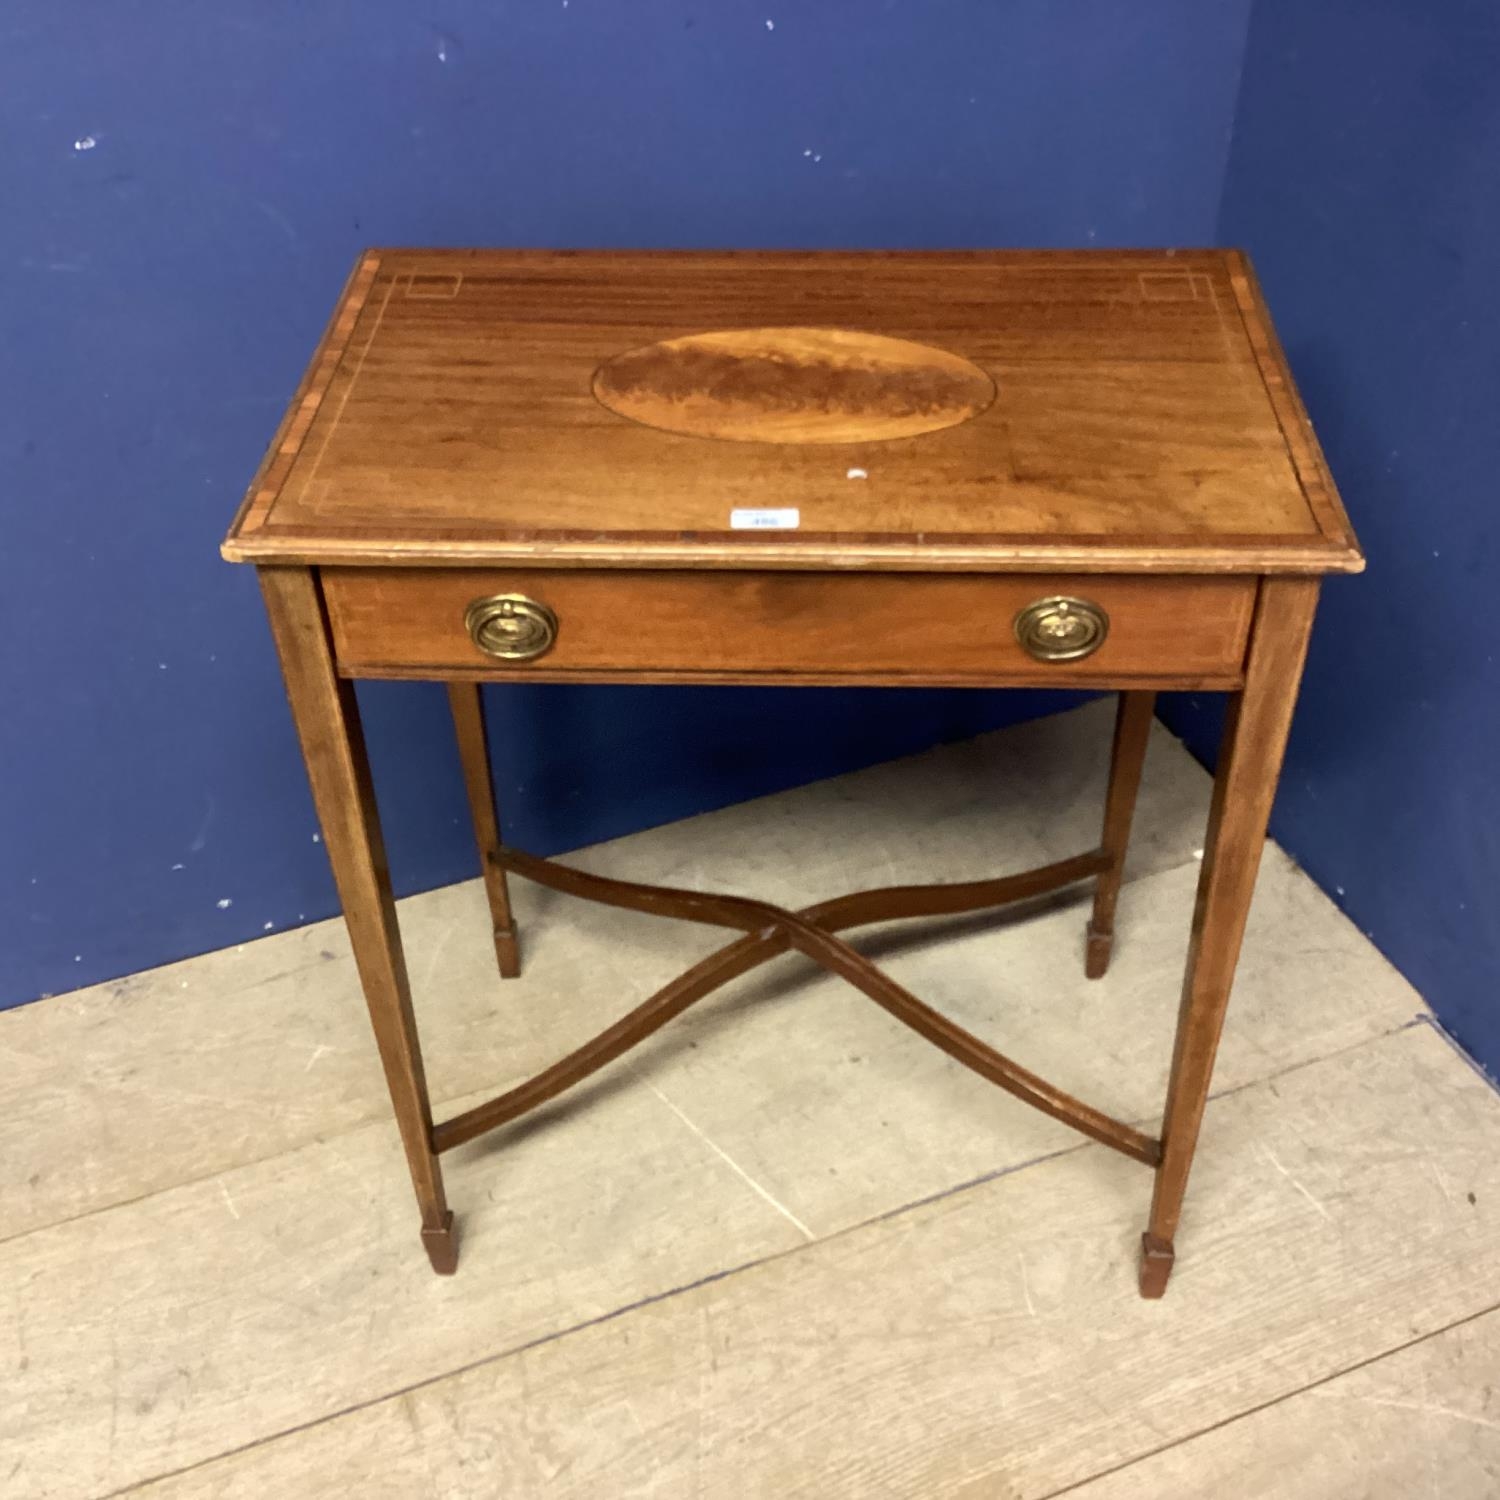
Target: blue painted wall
{"x": 182, "y": 189}
{"x": 1365, "y": 180}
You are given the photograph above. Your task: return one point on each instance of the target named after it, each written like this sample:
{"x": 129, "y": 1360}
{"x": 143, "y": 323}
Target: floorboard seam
{"x": 775, "y": 1256}
{"x": 1250, "y": 1411}
{"x": 379, "y": 1111}
{"x": 1140, "y": 1122}
{"x": 474, "y": 1364}
{"x": 1423, "y": 1018}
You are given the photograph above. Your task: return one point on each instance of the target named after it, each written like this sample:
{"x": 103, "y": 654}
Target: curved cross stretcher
{"x": 767, "y": 931}
{"x": 773, "y": 930}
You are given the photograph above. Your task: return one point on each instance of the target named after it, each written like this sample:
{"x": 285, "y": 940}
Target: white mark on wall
{"x": 85, "y": 143}
{"x": 857, "y": 474}
{"x": 770, "y": 26}
{"x": 200, "y": 839}
{"x": 279, "y": 219}
{"x": 268, "y": 927}
{"x": 225, "y": 903}
{"x": 179, "y": 867}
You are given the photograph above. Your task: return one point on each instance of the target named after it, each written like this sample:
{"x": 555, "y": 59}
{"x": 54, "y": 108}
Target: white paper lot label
{"x": 765, "y": 520}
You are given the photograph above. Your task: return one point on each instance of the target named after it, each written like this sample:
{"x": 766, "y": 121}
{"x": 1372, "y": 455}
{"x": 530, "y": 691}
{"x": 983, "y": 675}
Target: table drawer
{"x": 791, "y": 626}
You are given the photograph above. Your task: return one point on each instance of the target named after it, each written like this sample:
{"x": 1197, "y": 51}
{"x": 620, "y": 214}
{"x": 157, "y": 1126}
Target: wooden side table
{"x": 983, "y": 469}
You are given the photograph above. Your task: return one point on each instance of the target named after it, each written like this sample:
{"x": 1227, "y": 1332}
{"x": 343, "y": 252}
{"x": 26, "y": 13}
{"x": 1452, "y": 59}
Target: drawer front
{"x": 801, "y": 627}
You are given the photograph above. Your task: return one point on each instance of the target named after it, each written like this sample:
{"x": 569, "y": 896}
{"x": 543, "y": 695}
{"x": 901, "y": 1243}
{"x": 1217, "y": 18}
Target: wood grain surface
{"x": 759, "y": 626}
{"x": 793, "y": 385}
{"x": 1143, "y": 417}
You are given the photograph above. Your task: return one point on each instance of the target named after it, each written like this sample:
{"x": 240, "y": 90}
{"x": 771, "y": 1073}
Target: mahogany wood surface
{"x": 474, "y": 755}
{"x": 327, "y": 719}
{"x": 1142, "y": 417}
{"x": 1244, "y": 788}
{"x": 772, "y": 930}
{"x": 768, "y": 626}
{"x": 925, "y": 447}
{"x": 884, "y": 904}
{"x": 1127, "y": 757}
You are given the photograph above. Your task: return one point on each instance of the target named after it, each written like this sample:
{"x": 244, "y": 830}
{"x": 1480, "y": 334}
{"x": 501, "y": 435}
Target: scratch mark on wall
{"x": 279, "y": 219}
{"x": 201, "y": 837}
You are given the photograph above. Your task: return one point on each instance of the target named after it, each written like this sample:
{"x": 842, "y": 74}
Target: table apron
{"x": 660, "y": 625}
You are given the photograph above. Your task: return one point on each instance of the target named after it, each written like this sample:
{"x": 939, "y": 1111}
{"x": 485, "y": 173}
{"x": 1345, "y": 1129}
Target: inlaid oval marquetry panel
{"x": 793, "y": 385}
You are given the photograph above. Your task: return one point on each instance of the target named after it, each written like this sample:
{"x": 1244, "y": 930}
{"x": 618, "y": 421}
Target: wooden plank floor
{"x": 786, "y": 1249}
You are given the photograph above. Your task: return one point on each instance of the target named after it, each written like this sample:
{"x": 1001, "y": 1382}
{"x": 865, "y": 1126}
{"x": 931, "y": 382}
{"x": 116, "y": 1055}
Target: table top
{"x": 973, "y": 411}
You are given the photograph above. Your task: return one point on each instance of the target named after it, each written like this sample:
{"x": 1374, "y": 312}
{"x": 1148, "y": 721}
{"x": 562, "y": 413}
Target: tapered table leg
{"x": 1244, "y": 789}
{"x": 327, "y": 720}
{"x": 474, "y": 753}
{"x": 1127, "y": 756}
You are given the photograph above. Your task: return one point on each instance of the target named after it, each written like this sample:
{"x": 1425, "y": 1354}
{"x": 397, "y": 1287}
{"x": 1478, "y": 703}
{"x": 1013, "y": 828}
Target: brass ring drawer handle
{"x": 511, "y": 627}
{"x": 1061, "y": 629}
